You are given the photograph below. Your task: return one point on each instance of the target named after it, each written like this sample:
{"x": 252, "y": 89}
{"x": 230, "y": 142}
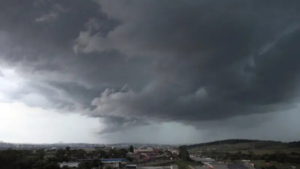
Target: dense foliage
{"x": 41, "y": 159}
{"x": 25, "y": 159}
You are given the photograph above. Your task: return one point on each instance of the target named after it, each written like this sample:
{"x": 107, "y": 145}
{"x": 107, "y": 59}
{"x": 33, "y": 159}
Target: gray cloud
{"x": 52, "y": 15}
{"x": 115, "y": 124}
{"x": 181, "y": 61}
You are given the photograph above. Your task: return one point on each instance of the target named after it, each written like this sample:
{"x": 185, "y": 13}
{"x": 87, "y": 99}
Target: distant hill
{"x": 231, "y": 141}
{"x": 246, "y": 145}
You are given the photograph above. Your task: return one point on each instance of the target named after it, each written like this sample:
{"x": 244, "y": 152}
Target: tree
{"x": 85, "y": 165}
{"x": 60, "y": 154}
{"x": 68, "y": 148}
{"x": 122, "y": 153}
{"x": 130, "y": 159}
{"x": 41, "y": 154}
{"x": 100, "y": 153}
{"x": 51, "y": 166}
{"x": 95, "y": 163}
{"x": 80, "y": 153}
{"x": 131, "y": 149}
{"x": 183, "y": 153}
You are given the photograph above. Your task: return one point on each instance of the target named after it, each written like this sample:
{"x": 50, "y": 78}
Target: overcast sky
{"x": 149, "y": 71}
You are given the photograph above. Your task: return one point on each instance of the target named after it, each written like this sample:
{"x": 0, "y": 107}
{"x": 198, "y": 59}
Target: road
{"x": 220, "y": 166}
{"x": 226, "y": 166}
{"x": 156, "y": 163}
{"x": 236, "y": 166}
{"x": 158, "y": 167}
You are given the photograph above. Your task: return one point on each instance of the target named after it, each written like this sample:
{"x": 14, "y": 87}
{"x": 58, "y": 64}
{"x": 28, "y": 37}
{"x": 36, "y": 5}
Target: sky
{"x": 149, "y": 71}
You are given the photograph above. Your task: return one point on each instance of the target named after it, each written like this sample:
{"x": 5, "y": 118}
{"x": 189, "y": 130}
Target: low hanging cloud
{"x": 134, "y": 63}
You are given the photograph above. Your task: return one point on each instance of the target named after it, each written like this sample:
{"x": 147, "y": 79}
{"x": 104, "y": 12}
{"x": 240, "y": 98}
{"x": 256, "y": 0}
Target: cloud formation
{"x": 135, "y": 63}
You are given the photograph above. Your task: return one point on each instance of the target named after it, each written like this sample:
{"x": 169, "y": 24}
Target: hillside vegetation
{"x": 245, "y": 146}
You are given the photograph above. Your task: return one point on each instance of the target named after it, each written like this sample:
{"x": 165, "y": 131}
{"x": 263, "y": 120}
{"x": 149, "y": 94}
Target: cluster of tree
{"x": 68, "y": 154}
{"x": 40, "y": 159}
{"x": 89, "y": 164}
{"x": 24, "y": 159}
{"x": 28, "y": 159}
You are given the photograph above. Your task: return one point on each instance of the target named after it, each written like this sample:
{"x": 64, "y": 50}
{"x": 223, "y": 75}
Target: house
{"x": 114, "y": 162}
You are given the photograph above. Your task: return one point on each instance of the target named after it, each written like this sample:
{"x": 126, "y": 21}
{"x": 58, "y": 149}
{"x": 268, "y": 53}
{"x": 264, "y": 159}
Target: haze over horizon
{"x": 150, "y": 71}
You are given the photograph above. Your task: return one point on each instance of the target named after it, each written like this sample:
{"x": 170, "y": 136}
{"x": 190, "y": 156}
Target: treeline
{"x": 23, "y": 159}
{"x": 40, "y": 159}
{"x": 230, "y": 141}
{"x": 294, "y": 144}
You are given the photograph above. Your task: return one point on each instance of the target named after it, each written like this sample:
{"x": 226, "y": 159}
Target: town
{"x": 225, "y": 154}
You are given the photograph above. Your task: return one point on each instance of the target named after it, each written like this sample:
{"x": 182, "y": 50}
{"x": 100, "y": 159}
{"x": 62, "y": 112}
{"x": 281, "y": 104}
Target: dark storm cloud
{"x": 45, "y": 48}
{"x": 135, "y": 62}
{"x": 219, "y": 59}
{"x": 36, "y": 39}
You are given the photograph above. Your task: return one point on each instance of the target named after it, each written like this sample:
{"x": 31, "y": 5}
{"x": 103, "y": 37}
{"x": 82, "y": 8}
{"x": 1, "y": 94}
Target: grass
{"x": 185, "y": 164}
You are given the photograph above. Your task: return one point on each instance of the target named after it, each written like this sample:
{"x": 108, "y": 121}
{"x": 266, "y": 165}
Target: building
{"x": 69, "y": 164}
{"x": 131, "y": 166}
{"x": 144, "y": 150}
{"x": 147, "y": 151}
{"x": 135, "y": 157}
{"x": 203, "y": 159}
{"x": 114, "y": 162}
